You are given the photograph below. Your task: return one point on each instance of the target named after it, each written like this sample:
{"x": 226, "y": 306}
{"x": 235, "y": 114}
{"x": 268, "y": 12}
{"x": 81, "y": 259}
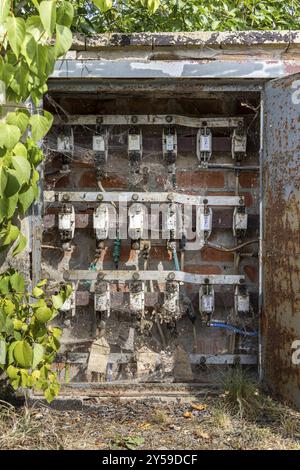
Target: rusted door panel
{"x": 281, "y": 240}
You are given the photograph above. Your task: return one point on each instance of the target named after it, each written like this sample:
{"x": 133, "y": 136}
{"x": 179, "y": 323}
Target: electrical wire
{"x": 235, "y": 248}
{"x": 233, "y": 328}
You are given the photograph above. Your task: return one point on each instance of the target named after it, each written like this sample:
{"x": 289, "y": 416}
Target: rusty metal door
{"x": 280, "y": 325}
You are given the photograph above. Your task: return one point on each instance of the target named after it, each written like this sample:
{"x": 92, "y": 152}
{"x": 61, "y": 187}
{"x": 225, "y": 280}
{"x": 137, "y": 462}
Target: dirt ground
{"x": 221, "y": 422}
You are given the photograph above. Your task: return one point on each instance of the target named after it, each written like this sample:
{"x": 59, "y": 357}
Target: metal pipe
{"x": 261, "y": 234}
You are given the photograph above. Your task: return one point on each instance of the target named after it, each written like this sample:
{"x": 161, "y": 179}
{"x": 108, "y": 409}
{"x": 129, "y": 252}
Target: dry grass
{"x": 240, "y": 418}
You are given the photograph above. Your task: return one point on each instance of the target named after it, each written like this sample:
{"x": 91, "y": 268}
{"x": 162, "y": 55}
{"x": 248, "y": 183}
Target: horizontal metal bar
{"x": 244, "y": 359}
{"x": 151, "y": 119}
{"x": 117, "y": 196}
{"x": 160, "y": 276}
{"x": 220, "y": 69}
{"x": 123, "y": 358}
{"x": 108, "y": 87}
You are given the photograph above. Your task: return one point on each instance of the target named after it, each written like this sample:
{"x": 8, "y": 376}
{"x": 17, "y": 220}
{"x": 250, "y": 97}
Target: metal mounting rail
{"x": 160, "y": 276}
{"x": 117, "y": 196}
{"x": 195, "y": 358}
{"x": 151, "y": 119}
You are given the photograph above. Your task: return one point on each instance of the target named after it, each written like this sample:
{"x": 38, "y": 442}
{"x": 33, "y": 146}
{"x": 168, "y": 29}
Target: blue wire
{"x": 214, "y": 323}
{"x": 233, "y": 328}
{"x": 175, "y": 259}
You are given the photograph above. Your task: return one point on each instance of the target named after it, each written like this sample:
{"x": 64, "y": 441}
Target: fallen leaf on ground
{"x": 187, "y": 414}
{"x": 203, "y": 435}
{"x": 199, "y": 406}
{"x": 145, "y": 425}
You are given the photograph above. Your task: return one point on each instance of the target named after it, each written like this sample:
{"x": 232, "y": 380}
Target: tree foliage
{"x": 29, "y": 48}
{"x": 181, "y": 15}
{"x": 32, "y": 36}
{"x": 28, "y": 343}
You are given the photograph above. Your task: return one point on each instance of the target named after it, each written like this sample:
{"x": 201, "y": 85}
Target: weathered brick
{"x": 251, "y": 272}
{"x": 202, "y": 269}
{"x": 199, "y": 179}
{"x": 114, "y": 182}
{"x": 87, "y": 179}
{"x": 249, "y": 179}
{"x": 209, "y": 254}
{"x": 248, "y": 199}
{"x": 62, "y": 181}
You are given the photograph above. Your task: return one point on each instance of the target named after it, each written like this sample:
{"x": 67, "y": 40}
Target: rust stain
{"x": 280, "y": 320}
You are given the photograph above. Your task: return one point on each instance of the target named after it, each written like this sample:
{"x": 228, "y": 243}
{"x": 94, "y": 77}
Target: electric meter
{"x": 240, "y": 221}
{"x": 99, "y": 144}
{"x": 170, "y": 145}
{"x": 137, "y": 296}
{"x": 70, "y": 303}
{"x": 135, "y": 148}
{"x": 241, "y": 299}
{"x": 136, "y": 221}
{"x": 66, "y": 224}
{"x": 102, "y": 297}
{"x": 65, "y": 142}
{"x": 239, "y": 143}
{"x": 206, "y": 215}
{"x": 101, "y": 222}
{"x": 204, "y": 144}
{"x": 171, "y": 299}
{"x": 207, "y": 300}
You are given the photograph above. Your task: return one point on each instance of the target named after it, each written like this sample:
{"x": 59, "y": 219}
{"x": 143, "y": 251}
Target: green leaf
{"x": 57, "y": 301}
{"x": 37, "y": 292}
{"x": 22, "y": 167}
{"x": 4, "y": 10}
{"x": 49, "y": 394}
{"x": 38, "y": 353}
{"x": 23, "y": 354}
{"x": 9, "y": 327}
{"x": 11, "y": 234}
{"x": 57, "y": 332}
{"x": 4, "y": 285}
{"x": 152, "y": 5}
{"x": 19, "y": 119}
{"x": 35, "y": 27}
{"x": 47, "y": 10}
{"x": 9, "y": 135}
{"x": 19, "y": 81}
{"x": 16, "y": 30}
{"x": 17, "y": 282}
{"x": 3, "y": 179}
{"x": 63, "y": 40}
{"x": 2, "y": 351}
{"x": 21, "y": 244}
{"x": 8, "y": 206}
{"x": 20, "y": 149}
{"x": 43, "y": 314}
{"x": 24, "y": 378}
{"x": 65, "y": 14}
{"x": 17, "y": 324}
{"x": 12, "y": 371}
{"x": 13, "y": 184}
{"x": 40, "y": 125}
{"x": 103, "y": 5}
{"x": 9, "y": 306}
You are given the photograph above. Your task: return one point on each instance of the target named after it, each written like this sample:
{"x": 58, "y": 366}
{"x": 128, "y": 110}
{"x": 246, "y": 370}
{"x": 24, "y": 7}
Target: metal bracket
{"x": 160, "y": 276}
{"x": 152, "y": 119}
{"x": 115, "y": 196}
